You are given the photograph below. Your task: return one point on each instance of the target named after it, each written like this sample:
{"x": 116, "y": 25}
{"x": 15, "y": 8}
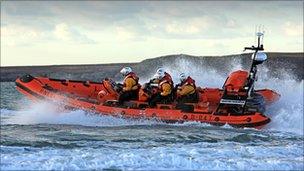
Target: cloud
{"x": 169, "y": 20}
{"x": 66, "y": 33}
{"x": 152, "y": 27}
{"x": 124, "y": 34}
{"x": 231, "y": 23}
{"x": 13, "y": 30}
{"x": 292, "y": 29}
{"x": 16, "y": 35}
{"x": 62, "y": 32}
{"x": 191, "y": 26}
{"x": 20, "y": 35}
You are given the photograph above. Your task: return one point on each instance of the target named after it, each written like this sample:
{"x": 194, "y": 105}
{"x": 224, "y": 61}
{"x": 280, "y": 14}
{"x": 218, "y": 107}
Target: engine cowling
{"x": 236, "y": 82}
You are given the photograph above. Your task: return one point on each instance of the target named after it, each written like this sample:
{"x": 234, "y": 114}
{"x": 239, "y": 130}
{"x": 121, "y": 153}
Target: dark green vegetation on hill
{"x": 278, "y": 63}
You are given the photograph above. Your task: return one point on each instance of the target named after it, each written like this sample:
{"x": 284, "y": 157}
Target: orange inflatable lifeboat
{"x": 100, "y": 97}
{"x": 237, "y": 103}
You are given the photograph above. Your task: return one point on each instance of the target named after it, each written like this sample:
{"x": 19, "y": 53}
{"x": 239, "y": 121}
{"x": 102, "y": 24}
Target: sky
{"x": 94, "y": 32}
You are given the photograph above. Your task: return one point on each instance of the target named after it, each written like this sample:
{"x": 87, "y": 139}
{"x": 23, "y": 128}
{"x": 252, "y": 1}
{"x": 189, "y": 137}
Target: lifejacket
{"x": 188, "y": 81}
{"x": 169, "y": 78}
{"x": 134, "y": 77}
{"x": 166, "y": 79}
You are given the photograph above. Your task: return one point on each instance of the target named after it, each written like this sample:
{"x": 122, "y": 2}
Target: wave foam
{"x": 44, "y": 112}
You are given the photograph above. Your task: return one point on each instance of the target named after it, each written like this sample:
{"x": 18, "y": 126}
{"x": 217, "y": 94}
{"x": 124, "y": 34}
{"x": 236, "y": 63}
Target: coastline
{"x": 278, "y": 62}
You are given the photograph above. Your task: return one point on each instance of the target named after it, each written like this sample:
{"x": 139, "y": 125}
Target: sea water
{"x": 42, "y": 136}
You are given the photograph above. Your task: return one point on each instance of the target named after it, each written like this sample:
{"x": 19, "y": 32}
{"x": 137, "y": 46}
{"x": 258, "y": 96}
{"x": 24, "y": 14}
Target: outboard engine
{"x": 235, "y": 83}
{"x": 239, "y": 96}
{"x": 235, "y": 94}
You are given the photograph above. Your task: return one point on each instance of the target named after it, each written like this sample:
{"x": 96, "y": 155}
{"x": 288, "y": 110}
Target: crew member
{"x": 130, "y": 86}
{"x": 165, "y": 88}
{"x": 186, "y": 90}
{"x": 167, "y": 76}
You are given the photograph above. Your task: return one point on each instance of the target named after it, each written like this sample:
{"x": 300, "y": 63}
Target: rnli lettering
{"x": 192, "y": 117}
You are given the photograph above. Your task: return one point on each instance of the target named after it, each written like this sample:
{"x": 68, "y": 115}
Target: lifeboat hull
{"x": 84, "y": 95}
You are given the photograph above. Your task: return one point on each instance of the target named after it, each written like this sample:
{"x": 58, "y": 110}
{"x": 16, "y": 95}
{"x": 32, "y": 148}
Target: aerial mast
{"x": 257, "y": 58}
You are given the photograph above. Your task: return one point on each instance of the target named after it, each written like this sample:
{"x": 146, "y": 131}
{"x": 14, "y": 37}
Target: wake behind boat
{"x": 237, "y": 103}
